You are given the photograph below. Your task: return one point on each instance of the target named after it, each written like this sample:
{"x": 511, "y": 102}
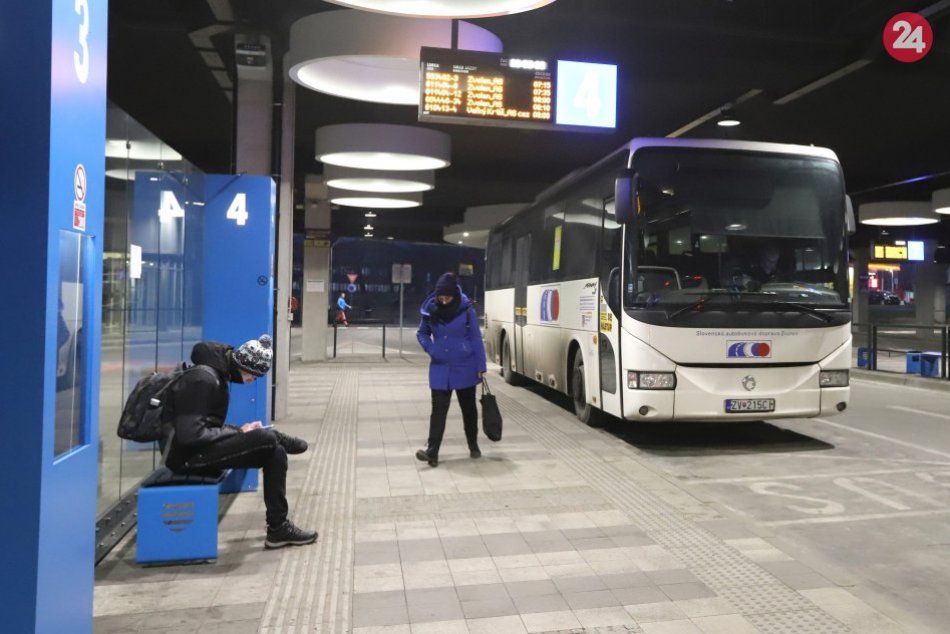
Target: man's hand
{"x": 481, "y": 375}
{"x": 250, "y": 426}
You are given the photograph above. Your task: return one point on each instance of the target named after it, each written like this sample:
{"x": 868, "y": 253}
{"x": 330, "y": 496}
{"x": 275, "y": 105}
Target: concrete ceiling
{"x": 807, "y": 71}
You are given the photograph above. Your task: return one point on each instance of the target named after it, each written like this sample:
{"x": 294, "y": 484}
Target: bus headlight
{"x": 650, "y": 380}
{"x": 833, "y": 378}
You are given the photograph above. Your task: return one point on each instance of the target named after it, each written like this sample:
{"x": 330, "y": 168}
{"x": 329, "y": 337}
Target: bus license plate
{"x": 734, "y": 405}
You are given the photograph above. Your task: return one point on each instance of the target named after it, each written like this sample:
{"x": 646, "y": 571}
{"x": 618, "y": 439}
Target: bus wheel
{"x": 585, "y": 412}
{"x": 511, "y": 377}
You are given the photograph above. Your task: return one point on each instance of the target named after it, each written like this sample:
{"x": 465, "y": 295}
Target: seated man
{"x": 201, "y": 442}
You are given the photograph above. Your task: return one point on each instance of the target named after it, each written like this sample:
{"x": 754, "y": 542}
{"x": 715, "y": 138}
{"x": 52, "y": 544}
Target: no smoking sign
{"x": 79, "y": 193}
{"x": 908, "y": 37}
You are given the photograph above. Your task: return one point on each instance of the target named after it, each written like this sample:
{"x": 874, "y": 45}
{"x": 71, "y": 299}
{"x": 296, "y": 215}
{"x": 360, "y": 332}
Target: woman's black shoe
{"x": 425, "y": 456}
{"x": 474, "y": 452}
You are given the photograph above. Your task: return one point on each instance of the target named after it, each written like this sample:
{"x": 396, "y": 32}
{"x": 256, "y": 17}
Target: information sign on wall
{"x": 473, "y": 87}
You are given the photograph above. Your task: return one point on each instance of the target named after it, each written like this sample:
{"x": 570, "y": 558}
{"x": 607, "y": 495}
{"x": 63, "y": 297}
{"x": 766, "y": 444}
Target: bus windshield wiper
{"x": 707, "y": 294}
{"x": 808, "y": 310}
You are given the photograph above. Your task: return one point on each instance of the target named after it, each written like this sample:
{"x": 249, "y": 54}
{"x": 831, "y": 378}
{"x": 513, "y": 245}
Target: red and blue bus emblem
{"x": 749, "y": 349}
{"x": 550, "y": 304}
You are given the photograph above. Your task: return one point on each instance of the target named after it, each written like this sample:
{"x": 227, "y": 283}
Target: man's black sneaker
{"x": 287, "y": 534}
{"x": 474, "y": 453}
{"x": 291, "y": 444}
{"x": 425, "y": 456}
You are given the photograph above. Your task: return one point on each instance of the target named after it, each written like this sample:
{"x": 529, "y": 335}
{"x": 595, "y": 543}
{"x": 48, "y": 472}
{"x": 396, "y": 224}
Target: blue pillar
{"x": 239, "y": 232}
{"x": 53, "y": 60}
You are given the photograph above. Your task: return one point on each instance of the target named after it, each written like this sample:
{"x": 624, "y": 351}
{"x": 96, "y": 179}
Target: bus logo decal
{"x": 747, "y": 349}
{"x": 550, "y": 304}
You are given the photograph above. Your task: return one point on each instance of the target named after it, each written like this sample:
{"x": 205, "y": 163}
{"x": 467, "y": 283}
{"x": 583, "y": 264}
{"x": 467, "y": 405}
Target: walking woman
{"x": 450, "y": 335}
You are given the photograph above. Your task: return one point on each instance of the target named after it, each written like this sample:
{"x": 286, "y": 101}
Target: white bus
{"x": 680, "y": 280}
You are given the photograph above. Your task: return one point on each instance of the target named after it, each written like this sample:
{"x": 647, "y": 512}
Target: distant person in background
{"x": 450, "y": 335}
{"x": 342, "y": 306}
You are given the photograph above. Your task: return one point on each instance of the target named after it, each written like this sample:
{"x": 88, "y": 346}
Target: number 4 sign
{"x": 908, "y": 37}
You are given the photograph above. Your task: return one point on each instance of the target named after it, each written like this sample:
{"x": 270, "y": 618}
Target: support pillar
{"x": 52, "y": 173}
{"x": 316, "y": 270}
{"x": 860, "y": 312}
{"x": 285, "y": 252}
{"x": 930, "y": 288}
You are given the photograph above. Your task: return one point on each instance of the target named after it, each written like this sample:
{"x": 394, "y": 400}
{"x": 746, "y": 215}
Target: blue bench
{"x": 178, "y": 514}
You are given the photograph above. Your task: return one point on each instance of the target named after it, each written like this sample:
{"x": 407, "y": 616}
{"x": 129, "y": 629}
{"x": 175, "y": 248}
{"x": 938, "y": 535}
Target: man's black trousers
{"x": 255, "y": 449}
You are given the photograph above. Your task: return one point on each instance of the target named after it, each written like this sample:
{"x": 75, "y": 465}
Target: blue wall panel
{"x": 238, "y": 275}
{"x": 55, "y": 56}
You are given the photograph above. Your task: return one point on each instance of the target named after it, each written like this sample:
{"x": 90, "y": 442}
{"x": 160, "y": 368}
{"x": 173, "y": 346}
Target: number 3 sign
{"x": 908, "y": 37}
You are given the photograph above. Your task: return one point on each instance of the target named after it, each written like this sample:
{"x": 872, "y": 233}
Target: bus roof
{"x": 713, "y": 144}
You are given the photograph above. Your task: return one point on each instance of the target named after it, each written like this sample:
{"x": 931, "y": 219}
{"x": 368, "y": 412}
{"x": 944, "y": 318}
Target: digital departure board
{"x": 496, "y": 89}
{"x": 901, "y": 250}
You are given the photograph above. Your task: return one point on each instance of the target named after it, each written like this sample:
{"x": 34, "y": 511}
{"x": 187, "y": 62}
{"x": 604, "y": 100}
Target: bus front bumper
{"x": 738, "y": 394}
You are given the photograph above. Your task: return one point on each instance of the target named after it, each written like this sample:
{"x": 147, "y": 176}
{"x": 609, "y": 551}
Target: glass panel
{"x": 152, "y": 284}
{"x": 69, "y": 423}
{"x": 732, "y": 227}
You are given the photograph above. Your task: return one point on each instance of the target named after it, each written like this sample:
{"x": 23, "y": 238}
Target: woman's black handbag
{"x": 491, "y": 415}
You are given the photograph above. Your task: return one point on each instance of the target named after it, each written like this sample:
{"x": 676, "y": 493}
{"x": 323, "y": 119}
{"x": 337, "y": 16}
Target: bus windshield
{"x": 733, "y": 228}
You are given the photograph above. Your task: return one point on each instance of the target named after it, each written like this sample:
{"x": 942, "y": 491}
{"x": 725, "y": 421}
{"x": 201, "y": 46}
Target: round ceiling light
{"x": 478, "y": 221}
{"x": 941, "y": 201}
{"x": 377, "y": 200}
{"x": 897, "y": 213}
{"x": 382, "y": 146}
{"x": 378, "y": 180}
{"x": 445, "y": 8}
{"x": 370, "y": 56}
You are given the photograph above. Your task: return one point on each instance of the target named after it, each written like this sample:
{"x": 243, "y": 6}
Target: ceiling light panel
{"x": 941, "y": 201}
{"x": 382, "y": 146}
{"x": 445, "y": 8}
{"x": 897, "y": 213}
{"x": 346, "y": 198}
{"x": 378, "y": 180}
{"x": 370, "y": 56}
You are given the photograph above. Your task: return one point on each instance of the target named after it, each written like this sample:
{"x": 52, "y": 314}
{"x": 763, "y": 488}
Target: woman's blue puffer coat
{"x": 455, "y": 347}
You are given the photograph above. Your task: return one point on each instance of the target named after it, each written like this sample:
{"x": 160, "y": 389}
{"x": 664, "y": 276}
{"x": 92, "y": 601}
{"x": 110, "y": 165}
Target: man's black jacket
{"x": 198, "y": 405}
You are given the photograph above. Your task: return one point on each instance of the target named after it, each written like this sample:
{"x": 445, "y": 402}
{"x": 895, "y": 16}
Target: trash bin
{"x": 930, "y": 364}
{"x": 864, "y": 358}
{"x": 913, "y": 361}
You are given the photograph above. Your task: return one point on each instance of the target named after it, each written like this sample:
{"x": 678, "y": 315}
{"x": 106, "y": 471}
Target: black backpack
{"x": 141, "y": 418}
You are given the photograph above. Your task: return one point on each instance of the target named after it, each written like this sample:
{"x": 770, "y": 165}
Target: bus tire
{"x": 511, "y": 377}
{"x": 585, "y": 412}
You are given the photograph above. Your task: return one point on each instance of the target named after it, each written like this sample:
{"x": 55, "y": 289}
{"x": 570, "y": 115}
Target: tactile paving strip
{"x": 813, "y": 621}
{"x": 313, "y": 588}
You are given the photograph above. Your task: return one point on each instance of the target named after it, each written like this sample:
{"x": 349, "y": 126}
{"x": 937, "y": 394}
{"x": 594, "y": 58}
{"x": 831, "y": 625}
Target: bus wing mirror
{"x": 849, "y": 221}
{"x": 625, "y": 196}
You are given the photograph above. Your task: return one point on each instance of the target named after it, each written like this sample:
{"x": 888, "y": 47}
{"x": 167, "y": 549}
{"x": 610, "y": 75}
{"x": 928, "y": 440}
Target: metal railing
{"x": 903, "y": 348}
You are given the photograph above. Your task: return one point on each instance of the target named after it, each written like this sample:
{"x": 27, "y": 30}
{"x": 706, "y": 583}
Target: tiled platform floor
{"x": 558, "y": 528}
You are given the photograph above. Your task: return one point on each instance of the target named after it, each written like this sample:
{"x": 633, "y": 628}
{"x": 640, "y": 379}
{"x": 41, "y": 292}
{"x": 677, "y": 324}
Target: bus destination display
{"x": 495, "y": 89}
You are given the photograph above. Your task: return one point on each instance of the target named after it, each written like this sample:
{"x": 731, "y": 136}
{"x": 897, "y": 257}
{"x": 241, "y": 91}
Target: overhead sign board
{"x": 473, "y": 87}
{"x": 912, "y": 250}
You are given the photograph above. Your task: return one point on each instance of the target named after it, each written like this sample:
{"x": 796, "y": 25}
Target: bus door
{"x": 522, "y": 260}
{"x": 608, "y": 338}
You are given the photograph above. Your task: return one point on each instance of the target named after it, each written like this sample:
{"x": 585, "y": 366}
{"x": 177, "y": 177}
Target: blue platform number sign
{"x": 586, "y": 94}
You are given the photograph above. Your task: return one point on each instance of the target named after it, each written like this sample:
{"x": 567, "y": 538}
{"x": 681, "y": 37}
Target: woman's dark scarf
{"x": 445, "y": 312}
